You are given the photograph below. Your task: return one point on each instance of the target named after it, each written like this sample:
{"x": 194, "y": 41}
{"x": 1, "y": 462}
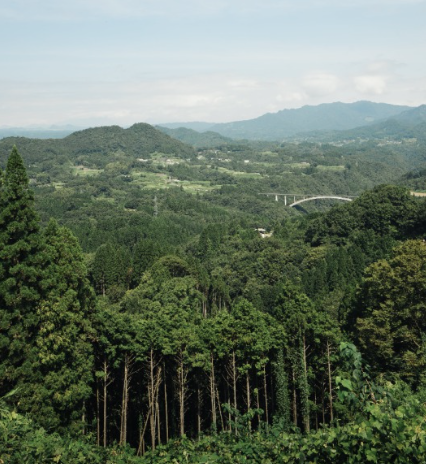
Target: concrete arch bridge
{"x": 293, "y": 199}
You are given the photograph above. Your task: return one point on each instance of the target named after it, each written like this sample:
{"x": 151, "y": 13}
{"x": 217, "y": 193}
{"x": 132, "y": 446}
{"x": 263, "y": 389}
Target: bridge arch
{"x": 320, "y": 197}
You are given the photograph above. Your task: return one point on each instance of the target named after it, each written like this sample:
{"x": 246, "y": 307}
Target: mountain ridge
{"x": 327, "y": 116}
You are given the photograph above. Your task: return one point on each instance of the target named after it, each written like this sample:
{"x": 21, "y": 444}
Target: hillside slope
{"x": 98, "y": 146}
{"x": 325, "y": 117}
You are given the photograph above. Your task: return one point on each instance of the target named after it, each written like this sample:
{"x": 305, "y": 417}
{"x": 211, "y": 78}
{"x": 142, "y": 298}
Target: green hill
{"x": 196, "y": 139}
{"x": 97, "y": 147}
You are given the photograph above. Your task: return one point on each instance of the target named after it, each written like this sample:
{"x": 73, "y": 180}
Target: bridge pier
{"x": 276, "y": 197}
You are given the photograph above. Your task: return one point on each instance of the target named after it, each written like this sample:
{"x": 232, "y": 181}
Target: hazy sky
{"x": 96, "y": 62}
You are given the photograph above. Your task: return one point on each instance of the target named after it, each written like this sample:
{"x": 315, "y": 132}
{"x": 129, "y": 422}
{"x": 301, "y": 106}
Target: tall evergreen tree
{"x": 62, "y": 363}
{"x": 20, "y": 272}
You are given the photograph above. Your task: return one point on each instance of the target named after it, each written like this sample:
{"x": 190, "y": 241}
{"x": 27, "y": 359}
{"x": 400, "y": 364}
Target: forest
{"x": 143, "y": 318}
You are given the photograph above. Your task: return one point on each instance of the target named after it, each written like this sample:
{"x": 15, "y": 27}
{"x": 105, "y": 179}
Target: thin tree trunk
{"x": 105, "y": 401}
{"x": 158, "y": 378}
{"x": 234, "y": 387}
{"x": 220, "y": 410}
{"x": 234, "y": 379}
{"x": 248, "y": 396}
{"x": 306, "y": 415}
{"x": 182, "y": 388}
{"x": 330, "y": 385}
{"x": 294, "y": 398}
{"x": 228, "y": 400}
{"x": 151, "y": 398}
{"x": 204, "y": 305}
{"x": 213, "y": 392}
{"x": 125, "y": 399}
{"x": 265, "y": 393}
{"x": 106, "y": 384}
{"x": 153, "y": 395}
{"x": 98, "y": 412}
{"x": 198, "y": 412}
{"x": 166, "y": 408}
{"x": 141, "y": 447}
{"x": 157, "y": 408}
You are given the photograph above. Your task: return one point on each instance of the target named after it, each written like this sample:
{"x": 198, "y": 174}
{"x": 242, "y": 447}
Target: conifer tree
{"x": 20, "y": 272}
{"x": 62, "y": 362}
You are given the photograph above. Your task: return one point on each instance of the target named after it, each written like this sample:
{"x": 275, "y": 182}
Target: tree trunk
{"x": 83, "y": 417}
{"x": 213, "y": 392}
{"x": 248, "y": 396}
{"x": 157, "y": 409}
{"x": 198, "y": 412}
{"x": 265, "y": 394}
{"x": 234, "y": 387}
{"x": 316, "y": 411}
{"x": 220, "y": 410}
{"x": 305, "y": 390}
{"x": 182, "y": 388}
{"x": 98, "y": 412}
{"x": 125, "y": 398}
{"x": 294, "y": 398}
{"x": 330, "y": 385}
{"x": 106, "y": 383}
{"x": 151, "y": 398}
{"x": 166, "y": 408}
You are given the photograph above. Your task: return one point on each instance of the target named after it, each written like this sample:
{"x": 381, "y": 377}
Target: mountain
{"x": 410, "y": 124}
{"x": 413, "y": 116}
{"x": 98, "y": 146}
{"x": 208, "y": 139}
{"x": 325, "y": 117}
{"x": 196, "y": 125}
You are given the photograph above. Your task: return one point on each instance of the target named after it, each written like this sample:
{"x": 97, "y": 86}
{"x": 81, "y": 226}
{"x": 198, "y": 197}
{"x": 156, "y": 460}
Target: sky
{"x": 103, "y": 62}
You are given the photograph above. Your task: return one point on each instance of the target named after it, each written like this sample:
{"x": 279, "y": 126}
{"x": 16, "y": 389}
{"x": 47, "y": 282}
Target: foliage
{"x": 207, "y": 342}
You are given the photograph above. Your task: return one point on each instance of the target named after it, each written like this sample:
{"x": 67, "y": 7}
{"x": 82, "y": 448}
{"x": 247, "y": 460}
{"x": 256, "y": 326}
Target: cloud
{"x": 370, "y": 84}
{"x": 377, "y": 77}
{"x": 320, "y": 84}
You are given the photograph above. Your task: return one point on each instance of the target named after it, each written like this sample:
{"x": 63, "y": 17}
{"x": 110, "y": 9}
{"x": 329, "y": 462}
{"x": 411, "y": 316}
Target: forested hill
{"x": 215, "y": 344}
{"x": 146, "y": 318}
{"x": 208, "y": 139}
{"x": 325, "y": 117}
{"x": 98, "y": 146}
{"x": 410, "y": 124}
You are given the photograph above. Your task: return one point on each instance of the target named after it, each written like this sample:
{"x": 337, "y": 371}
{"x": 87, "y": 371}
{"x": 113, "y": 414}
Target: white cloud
{"x": 320, "y": 84}
{"x": 368, "y": 84}
{"x": 216, "y": 97}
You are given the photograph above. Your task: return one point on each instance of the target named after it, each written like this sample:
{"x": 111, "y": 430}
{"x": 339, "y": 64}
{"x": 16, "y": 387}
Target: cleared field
{"x": 330, "y": 168}
{"x": 155, "y": 181}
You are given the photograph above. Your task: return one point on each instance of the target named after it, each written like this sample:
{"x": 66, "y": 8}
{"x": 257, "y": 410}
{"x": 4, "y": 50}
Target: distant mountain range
{"x": 288, "y": 123}
{"x": 360, "y": 119}
{"x": 408, "y": 124}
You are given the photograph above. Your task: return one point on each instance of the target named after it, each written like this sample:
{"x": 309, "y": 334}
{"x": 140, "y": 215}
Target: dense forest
{"x": 143, "y": 318}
